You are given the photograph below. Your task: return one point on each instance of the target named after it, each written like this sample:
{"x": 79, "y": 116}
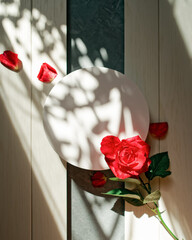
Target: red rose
{"x": 158, "y": 130}
{"x": 10, "y": 60}
{"x": 98, "y": 179}
{"x": 46, "y": 73}
{"x": 126, "y": 158}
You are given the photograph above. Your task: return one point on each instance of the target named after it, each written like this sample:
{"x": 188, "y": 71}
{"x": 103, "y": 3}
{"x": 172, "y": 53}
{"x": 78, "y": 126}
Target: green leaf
{"x": 132, "y": 180}
{"x": 154, "y": 196}
{"x": 134, "y": 202}
{"x": 122, "y": 192}
{"x": 131, "y": 197}
{"x": 131, "y": 183}
{"x": 159, "y": 165}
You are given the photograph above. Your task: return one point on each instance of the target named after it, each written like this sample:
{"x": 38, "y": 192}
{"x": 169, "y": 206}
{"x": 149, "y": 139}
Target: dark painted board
{"x": 95, "y": 37}
{"x": 99, "y": 25}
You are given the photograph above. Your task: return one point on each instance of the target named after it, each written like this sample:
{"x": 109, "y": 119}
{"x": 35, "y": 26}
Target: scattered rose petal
{"x": 126, "y": 158}
{"x": 11, "y": 61}
{"x": 158, "y": 130}
{"x": 98, "y": 179}
{"x": 47, "y": 73}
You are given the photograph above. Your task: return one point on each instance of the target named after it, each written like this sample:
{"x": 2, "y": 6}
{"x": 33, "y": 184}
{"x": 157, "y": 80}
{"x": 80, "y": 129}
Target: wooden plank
{"x": 175, "y": 102}
{"x": 49, "y": 173}
{"x": 96, "y": 38}
{"x": 95, "y": 30}
{"x": 15, "y": 128}
{"x": 141, "y": 66}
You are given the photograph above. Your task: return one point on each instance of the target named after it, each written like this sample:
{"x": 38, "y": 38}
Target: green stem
{"x": 156, "y": 211}
{"x": 149, "y": 186}
{"x": 144, "y": 185}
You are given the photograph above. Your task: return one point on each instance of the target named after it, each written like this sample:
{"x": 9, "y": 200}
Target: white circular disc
{"x": 87, "y": 105}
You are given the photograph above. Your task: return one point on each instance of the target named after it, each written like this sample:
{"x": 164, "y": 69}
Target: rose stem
{"x": 157, "y": 212}
{"x": 144, "y": 185}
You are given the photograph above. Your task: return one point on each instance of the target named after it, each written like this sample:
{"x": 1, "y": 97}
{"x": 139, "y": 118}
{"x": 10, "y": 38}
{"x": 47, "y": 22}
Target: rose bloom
{"x": 126, "y": 158}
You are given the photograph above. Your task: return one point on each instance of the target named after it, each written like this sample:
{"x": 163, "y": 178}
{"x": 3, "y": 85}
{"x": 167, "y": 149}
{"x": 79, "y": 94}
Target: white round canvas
{"x": 87, "y": 105}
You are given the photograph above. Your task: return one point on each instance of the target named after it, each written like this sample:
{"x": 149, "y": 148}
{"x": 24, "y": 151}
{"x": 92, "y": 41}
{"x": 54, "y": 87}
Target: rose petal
{"x": 113, "y": 165}
{"x": 158, "y": 130}
{"x": 146, "y": 166}
{"x": 98, "y": 179}
{"x": 109, "y": 145}
{"x": 47, "y": 73}
{"x": 10, "y": 60}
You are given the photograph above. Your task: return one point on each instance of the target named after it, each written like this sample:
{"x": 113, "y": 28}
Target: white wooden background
{"x": 158, "y": 51}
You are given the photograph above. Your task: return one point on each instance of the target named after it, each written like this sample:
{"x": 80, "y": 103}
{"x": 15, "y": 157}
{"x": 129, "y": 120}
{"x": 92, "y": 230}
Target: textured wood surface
{"x": 15, "y": 128}
{"x": 175, "y": 108}
{"x": 32, "y": 177}
{"x": 48, "y": 170}
{"x": 141, "y": 66}
{"x": 158, "y": 59}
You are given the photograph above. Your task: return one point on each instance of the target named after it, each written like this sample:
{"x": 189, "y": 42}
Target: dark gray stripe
{"x": 99, "y": 26}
